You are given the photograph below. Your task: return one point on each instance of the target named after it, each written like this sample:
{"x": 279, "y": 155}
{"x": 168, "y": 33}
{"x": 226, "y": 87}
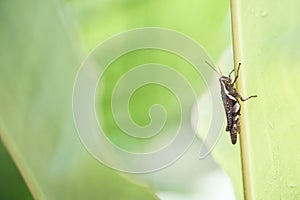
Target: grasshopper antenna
{"x": 218, "y": 72}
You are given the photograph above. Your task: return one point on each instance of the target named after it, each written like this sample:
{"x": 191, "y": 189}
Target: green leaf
{"x": 267, "y": 45}
{"x": 272, "y": 71}
{"x": 39, "y": 59}
{"x": 12, "y": 185}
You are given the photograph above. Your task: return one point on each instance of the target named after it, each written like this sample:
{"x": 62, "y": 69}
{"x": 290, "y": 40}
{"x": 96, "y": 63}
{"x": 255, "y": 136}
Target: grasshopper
{"x": 231, "y": 104}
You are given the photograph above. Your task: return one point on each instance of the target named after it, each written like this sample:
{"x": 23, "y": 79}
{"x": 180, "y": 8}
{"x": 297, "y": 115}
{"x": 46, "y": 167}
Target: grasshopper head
{"x": 225, "y": 80}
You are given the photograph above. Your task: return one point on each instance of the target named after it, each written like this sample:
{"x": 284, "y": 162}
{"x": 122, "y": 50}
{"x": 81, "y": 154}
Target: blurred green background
{"x": 42, "y": 47}
{"x": 43, "y": 44}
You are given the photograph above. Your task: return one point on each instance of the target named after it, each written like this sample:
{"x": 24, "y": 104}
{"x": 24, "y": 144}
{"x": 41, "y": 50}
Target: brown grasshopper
{"x": 231, "y": 104}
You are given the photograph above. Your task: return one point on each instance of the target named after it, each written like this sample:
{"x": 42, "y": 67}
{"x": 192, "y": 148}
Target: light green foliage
{"x": 40, "y": 54}
{"x": 269, "y": 45}
{"x": 270, "y": 37}
{"x": 38, "y": 67}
